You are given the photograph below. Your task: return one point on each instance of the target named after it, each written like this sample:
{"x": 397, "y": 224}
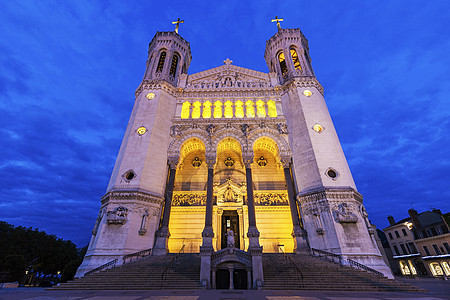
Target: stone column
{"x": 254, "y": 248}
{"x": 298, "y": 233}
{"x": 163, "y": 234}
{"x": 206, "y": 250}
{"x": 231, "y": 270}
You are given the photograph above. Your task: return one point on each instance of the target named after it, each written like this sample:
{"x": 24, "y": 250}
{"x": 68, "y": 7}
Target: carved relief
{"x": 188, "y": 199}
{"x": 117, "y": 215}
{"x": 269, "y": 199}
{"x": 344, "y": 215}
{"x": 282, "y": 128}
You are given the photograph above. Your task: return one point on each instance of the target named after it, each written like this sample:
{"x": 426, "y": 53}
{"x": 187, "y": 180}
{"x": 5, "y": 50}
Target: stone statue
{"x": 230, "y": 239}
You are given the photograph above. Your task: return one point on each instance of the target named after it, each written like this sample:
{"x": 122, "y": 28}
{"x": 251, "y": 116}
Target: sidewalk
{"x": 437, "y": 289}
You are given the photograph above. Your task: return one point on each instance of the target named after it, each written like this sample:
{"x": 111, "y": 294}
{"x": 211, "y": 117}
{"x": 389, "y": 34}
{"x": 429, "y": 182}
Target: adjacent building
{"x": 420, "y": 243}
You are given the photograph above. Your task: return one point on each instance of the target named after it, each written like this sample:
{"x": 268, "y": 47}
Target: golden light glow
{"x": 446, "y": 268}
{"x": 217, "y": 109}
{"x": 189, "y": 146}
{"x": 267, "y": 144}
{"x": 250, "y": 110}
{"x": 295, "y": 60}
{"x": 229, "y": 144}
{"x": 185, "y": 110}
{"x": 228, "y": 109}
{"x": 436, "y": 269}
{"x": 404, "y": 268}
{"x": 150, "y": 96}
{"x": 412, "y": 268}
{"x": 196, "y": 110}
{"x": 409, "y": 224}
{"x": 318, "y": 128}
{"x": 239, "y": 109}
{"x": 141, "y": 130}
{"x": 307, "y": 93}
{"x": 206, "y": 114}
{"x": 272, "y": 108}
{"x": 260, "y": 109}
{"x": 282, "y": 62}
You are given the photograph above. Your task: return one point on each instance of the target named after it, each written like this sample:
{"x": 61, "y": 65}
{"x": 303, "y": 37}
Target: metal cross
{"x": 278, "y": 22}
{"x": 178, "y": 22}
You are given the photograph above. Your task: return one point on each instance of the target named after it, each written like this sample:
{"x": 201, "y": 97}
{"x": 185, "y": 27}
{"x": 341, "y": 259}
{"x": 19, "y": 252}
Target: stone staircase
{"x": 301, "y": 272}
{"x": 150, "y": 273}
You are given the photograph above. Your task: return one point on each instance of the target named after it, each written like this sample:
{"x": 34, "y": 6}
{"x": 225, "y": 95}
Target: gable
{"x": 228, "y": 76}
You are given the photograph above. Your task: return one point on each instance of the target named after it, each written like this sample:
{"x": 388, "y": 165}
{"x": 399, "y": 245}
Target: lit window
{"x": 228, "y": 109}
{"x": 436, "y": 269}
{"x": 150, "y": 96}
{"x": 185, "y": 110}
{"x": 295, "y": 60}
{"x": 318, "y": 128}
{"x": 307, "y": 93}
{"x": 250, "y": 110}
{"x": 282, "y": 61}
{"x": 446, "y": 268}
{"x": 162, "y": 58}
{"x": 239, "y": 109}
{"x": 206, "y": 110}
{"x": 196, "y": 110}
{"x": 217, "y": 109}
{"x": 260, "y": 109}
{"x": 174, "y": 65}
{"x": 404, "y": 268}
{"x": 141, "y": 130}
{"x": 272, "y": 108}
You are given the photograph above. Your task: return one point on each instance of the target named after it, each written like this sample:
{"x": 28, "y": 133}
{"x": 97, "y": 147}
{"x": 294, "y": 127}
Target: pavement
{"x": 437, "y": 290}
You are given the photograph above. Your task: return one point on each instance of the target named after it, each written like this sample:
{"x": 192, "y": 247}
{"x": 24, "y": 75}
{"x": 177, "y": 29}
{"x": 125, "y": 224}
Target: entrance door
{"x": 240, "y": 279}
{"x": 222, "y": 279}
{"x": 230, "y": 220}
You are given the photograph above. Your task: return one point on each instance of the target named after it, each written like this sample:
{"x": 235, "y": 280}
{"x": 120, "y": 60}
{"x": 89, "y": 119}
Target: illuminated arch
{"x": 228, "y": 133}
{"x": 185, "y": 110}
{"x": 174, "y": 64}
{"x": 162, "y": 59}
{"x": 267, "y": 144}
{"x": 282, "y": 61}
{"x": 249, "y": 109}
{"x": 178, "y": 141}
{"x": 283, "y": 146}
{"x": 190, "y": 145}
{"x": 217, "y": 109}
{"x": 239, "y": 109}
{"x": 196, "y": 110}
{"x": 260, "y": 109}
{"x": 228, "y": 111}
{"x": 229, "y": 144}
{"x": 272, "y": 109}
{"x": 206, "y": 110}
{"x": 295, "y": 59}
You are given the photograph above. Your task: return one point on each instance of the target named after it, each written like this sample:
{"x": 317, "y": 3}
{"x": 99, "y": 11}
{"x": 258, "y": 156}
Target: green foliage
{"x": 36, "y": 251}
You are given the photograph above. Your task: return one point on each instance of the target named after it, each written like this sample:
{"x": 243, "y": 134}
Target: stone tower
{"x": 234, "y": 153}
{"x": 131, "y": 208}
{"x": 331, "y": 207}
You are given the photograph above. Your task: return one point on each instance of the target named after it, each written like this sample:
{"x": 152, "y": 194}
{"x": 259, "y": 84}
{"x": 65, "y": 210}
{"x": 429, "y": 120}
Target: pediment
{"x": 228, "y": 76}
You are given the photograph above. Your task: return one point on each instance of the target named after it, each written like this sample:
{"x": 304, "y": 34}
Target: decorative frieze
{"x": 271, "y": 198}
{"x": 131, "y": 196}
{"x": 117, "y": 216}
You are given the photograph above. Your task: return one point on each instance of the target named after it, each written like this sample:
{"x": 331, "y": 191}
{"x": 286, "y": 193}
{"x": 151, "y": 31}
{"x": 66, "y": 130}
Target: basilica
{"x": 231, "y": 163}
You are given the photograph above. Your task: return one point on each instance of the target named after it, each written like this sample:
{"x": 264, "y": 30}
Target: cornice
{"x": 156, "y": 85}
{"x": 132, "y": 195}
{"x": 302, "y": 82}
{"x": 330, "y": 194}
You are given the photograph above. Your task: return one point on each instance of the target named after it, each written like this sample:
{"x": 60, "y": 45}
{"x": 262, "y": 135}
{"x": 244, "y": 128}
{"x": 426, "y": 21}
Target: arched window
{"x": 272, "y": 108}
{"x": 162, "y": 59}
{"x": 260, "y": 109}
{"x": 217, "y": 109}
{"x": 249, "y": 109}
{"x": 282, "y": 61}
{"x": 239, "y": 109}
{"x": 185, "y": 110}
{"x": 228, "y": 113}
{"x": 206, "y": 110}
{"x": 196, "y": 110}
{"x": 174, "y": 65}
{"x": 295, "y": 59}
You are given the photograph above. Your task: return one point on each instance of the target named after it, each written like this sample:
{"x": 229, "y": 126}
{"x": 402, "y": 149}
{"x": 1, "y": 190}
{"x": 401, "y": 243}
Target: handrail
{"x": 357, "y": 265}
{"x": 169, "y": 265}
{"x": 295, "y": 266}
{"x": 108, "y": 265}
{"x": 134, "y": 256}
{"x": 344, "y": 262}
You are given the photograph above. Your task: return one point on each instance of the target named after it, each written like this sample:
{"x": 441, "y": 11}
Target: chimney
{"x": 391, "y": 220}
{"x": 415, "y": 217}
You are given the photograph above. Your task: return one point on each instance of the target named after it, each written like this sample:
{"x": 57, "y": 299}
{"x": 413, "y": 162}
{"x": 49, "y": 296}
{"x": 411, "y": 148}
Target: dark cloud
{"x": 69, "y": 70}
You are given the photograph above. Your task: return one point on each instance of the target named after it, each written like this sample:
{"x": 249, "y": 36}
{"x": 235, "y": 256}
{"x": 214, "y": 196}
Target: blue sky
{"x": 69, "y": 69}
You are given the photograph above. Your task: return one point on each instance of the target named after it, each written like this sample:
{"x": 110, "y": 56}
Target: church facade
{"x": 231, "y": 149}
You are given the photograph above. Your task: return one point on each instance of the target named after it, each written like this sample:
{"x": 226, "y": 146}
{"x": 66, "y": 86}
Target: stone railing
{"x": 137, "y": 255}
{"x": 344, "y": 262}
{"x": 106, "y": 266}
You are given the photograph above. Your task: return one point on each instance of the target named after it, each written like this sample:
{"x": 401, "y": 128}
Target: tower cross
{"x": 278, "y": 22}
{"x": 178, "y": 22}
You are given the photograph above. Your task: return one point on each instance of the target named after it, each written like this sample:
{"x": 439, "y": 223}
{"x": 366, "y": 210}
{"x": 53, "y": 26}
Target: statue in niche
{"x": 230, "y": 239}
{"x": 175, "y": 129}
{"x": 282, "y": 128}
{"x": 343, "y": 215}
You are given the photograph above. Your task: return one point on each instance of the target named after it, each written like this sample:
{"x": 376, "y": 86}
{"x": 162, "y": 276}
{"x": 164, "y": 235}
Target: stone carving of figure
{"x": 344, "y": 215}
{"x": 117, "y": 215}
{"x": 282, "y": 128}
{"x": 175, "y": 129}
{"x": 230, "y": 239}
